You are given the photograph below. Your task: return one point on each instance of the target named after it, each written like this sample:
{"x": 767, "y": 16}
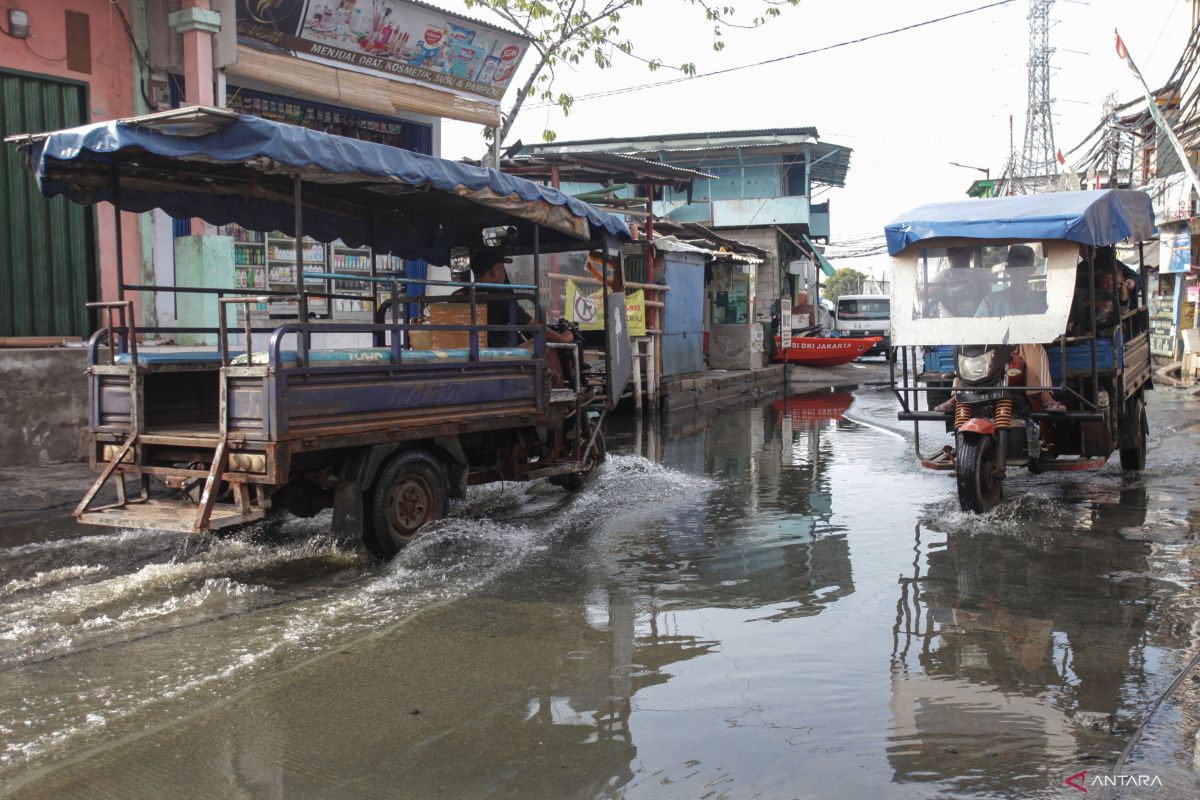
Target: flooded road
{"x": 773, "y": 602}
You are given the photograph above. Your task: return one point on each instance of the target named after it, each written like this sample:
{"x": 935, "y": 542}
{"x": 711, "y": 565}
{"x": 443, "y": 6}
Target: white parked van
{"x": 860, "y": 315}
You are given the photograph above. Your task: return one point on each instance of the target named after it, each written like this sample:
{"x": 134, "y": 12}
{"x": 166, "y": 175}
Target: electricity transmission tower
{"x": 1038, "y": 155}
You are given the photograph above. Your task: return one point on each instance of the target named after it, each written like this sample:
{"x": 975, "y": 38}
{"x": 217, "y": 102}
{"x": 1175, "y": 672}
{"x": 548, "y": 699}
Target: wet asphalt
{"x": 773, "y": 601}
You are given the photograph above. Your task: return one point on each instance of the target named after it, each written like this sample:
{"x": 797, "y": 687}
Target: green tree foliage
{"x": 573, "y": 32}
{"x": 846, "y": 280}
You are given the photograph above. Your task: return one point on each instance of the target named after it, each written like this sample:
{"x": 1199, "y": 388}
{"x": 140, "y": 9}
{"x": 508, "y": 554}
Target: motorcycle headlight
{"x": 973, "y": 369}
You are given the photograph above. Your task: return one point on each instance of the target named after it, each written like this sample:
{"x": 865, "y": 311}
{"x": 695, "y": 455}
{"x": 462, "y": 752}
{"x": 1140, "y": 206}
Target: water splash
{"x": 41, "y": 580}
{"x": 1024, "y": 515}
{"x": 132, "y": 597}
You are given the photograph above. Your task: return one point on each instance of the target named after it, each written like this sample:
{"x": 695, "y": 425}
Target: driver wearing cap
{"x": 1020, "y": 297}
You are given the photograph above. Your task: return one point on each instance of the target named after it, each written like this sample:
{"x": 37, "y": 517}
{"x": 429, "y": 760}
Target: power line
{"x": 1166, "y": 22}
{"x": 848, "y": 42}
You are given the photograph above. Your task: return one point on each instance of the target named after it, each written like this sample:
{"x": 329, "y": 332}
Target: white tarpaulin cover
{"x": 953, "y": 292}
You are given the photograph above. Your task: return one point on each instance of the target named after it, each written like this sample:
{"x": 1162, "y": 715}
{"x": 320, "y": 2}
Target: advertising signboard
{"x": 1162, "y": 336}
{"x": 1172, "y": 198}
{"x": 584, "y": 309}
{"x": 397, "y": 39}
{"x": 1175, "y": 252}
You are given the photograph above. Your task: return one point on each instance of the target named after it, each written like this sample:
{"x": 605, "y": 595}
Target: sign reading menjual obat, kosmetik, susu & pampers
{"x": 394, "y": 38}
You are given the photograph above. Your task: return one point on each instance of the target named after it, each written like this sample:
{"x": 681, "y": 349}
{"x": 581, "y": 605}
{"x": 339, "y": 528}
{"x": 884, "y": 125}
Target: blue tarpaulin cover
{"x": 1096, "y": 218}
{"x": 219, "y": 137}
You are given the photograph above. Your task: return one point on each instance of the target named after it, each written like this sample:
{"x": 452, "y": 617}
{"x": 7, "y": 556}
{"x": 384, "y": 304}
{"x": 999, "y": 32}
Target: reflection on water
{"x": 762, "y": 538}
{"x": 1014, "y": 655}
{"x": 770, "y": 601}
{"x": 1024, "y": 646}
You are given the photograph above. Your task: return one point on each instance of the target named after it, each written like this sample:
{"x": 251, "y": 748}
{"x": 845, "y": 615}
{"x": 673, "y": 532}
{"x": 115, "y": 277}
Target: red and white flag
{"x": 1123, "y": 53}
{"x": 1061, "y": 158}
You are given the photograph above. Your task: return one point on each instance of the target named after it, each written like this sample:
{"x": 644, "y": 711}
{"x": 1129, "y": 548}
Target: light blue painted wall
{"x": 202, "y": 261}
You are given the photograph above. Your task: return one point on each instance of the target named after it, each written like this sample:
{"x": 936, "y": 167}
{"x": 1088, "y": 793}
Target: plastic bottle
{"x": 1033, "y": 435}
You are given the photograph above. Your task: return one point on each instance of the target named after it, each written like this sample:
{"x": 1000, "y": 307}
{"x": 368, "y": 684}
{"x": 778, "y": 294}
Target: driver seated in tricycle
{"x": 489, "y": 267}
{"x": 1022, "y": 292}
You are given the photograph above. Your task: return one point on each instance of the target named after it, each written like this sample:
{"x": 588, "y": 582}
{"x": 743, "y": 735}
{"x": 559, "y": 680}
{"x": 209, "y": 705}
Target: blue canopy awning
{"x": 224, "y": 167}
{"x": 1096, "y": 218}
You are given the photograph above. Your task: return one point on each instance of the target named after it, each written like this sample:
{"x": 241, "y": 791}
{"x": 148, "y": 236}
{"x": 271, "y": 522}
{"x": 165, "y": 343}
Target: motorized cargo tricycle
{"x": 380, "y": 420}
{"x": 1025, "y": 332}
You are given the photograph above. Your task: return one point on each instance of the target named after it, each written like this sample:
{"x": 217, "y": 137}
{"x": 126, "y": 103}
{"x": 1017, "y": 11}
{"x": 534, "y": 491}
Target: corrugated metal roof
{"x": 666, "y": 137}
{"x": 830, "y": 171}
{"x": 618, "y": 162}
{"x": 696, "y": 231}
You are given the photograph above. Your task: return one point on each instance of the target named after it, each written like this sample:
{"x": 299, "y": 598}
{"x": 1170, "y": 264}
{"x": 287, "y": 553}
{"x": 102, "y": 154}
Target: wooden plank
{"x": 105, "y": 474}
{"x": 37, "y": 341}
{"x": 209, "y": 495}
{"x": 357, "y": 90}
{"x": 169, "y": 515}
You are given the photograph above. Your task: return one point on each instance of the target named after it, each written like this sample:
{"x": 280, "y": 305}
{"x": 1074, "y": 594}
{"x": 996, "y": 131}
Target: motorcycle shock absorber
{"x": 1004, "y": 412}
{"x": 962, "y": 414}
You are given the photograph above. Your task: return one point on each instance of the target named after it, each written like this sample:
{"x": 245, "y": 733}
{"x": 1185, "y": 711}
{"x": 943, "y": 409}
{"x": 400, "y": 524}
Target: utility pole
{"x": 1010, "y": 177}
{"x": 1113, "y": 140}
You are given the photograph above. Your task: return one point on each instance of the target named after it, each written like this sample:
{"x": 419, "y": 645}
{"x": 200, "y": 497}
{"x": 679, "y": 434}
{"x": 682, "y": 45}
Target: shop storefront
{"x": 384, "y": 71}
{"x": 735, "y": 337}
{"x": 1168, "y": 287}
{"x": 267, "y": 260}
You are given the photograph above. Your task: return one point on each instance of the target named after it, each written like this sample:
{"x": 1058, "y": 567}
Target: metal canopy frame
{"x": 906, "y": 393}
{"x": 358, "y": 188}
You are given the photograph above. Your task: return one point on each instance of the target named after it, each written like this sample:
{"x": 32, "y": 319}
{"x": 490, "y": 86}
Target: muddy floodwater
{"x": 771, "y": 602}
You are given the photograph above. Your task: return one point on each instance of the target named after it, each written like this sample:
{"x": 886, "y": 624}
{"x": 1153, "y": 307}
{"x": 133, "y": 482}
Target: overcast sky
{"x": 908, "y": 104}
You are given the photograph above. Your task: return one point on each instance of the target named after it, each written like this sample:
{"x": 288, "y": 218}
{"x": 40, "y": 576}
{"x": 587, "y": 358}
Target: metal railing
{"x": 121, "y": 335}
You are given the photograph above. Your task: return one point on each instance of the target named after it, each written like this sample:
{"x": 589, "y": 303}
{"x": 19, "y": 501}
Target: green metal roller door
{"x": 47, "y": 247}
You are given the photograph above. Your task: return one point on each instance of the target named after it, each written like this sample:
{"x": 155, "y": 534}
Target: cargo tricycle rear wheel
{"x": 1133, "y": 456}
{"x": 409, "y": 493}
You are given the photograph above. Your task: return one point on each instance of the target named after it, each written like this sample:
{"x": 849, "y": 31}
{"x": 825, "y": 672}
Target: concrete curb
{"x": 717, "y": 388}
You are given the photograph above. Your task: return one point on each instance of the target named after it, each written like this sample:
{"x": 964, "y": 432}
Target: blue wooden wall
{"x": 683, "y": 317}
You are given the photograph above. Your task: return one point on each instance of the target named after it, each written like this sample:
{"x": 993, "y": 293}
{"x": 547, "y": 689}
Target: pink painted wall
{"x": 110, "y": 96}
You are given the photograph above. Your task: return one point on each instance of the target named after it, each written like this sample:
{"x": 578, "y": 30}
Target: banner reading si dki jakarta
{"x": 587, "y": 310}
{"x": 392, "y": 38}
